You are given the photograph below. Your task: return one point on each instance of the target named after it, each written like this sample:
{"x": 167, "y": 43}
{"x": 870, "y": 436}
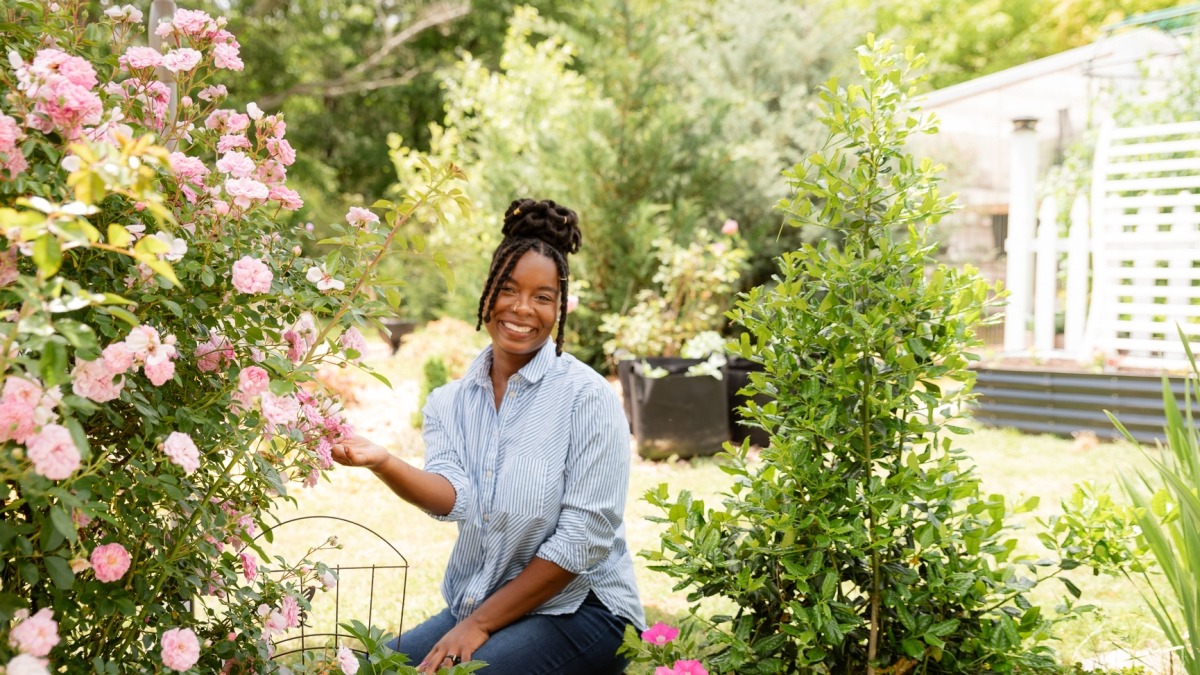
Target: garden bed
{"x": 1052, "y": 399}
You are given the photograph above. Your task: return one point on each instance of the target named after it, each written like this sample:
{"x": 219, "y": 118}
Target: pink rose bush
{"x": 160, "y": 325}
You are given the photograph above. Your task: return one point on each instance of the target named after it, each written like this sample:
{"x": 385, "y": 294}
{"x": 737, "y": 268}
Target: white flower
{"x": 177, "y": 246}
{"x": 254, "y": 111}
{"x": 323, "y": 280}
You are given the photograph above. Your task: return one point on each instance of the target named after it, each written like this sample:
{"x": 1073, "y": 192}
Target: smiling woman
{"x": 529, "y": 454}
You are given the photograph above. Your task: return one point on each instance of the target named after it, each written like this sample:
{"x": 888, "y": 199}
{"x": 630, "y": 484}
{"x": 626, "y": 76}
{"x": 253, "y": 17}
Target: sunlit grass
{"x": 1009, "y": 463}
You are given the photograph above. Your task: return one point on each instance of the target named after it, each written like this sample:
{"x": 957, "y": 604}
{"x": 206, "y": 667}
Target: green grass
{"x": 1009, "y": 463}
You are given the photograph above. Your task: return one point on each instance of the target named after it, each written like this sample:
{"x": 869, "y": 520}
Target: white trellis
{"x": 1135, "y": 243}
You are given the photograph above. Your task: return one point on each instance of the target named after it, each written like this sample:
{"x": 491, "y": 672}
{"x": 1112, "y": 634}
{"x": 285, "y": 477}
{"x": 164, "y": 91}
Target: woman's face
{"x": 526, "y": 309}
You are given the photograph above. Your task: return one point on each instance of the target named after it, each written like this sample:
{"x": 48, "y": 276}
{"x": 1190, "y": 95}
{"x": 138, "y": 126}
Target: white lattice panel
{"x": 1146, "y": 234}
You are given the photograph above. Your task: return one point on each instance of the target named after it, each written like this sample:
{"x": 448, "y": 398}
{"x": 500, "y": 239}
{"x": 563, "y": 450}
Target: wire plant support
{"x": 320, "y": 636}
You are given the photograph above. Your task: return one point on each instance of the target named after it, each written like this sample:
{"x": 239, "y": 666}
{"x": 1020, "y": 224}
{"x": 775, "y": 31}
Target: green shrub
{"x": 861, "y": 543}
{"x": 433, "y": 375}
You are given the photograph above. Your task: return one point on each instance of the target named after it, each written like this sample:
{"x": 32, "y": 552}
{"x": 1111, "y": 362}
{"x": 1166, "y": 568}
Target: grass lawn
{"x": 1009, "y": 463}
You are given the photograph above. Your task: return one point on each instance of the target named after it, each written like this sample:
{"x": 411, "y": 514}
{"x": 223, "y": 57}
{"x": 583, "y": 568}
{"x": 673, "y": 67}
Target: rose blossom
{"x": 141, "y": 57}
{"x": 10, "y": 135}
{"x": 232, "y": 142}
{"x": 360, "y": 217}
{"x": 213, "y": 354}
{"x": 249, "y": 565}
{"x": 180, "y": 648}
{"x": 281, "y": 150}
{"x": 8, "y": 266}
{"x": 290, "y": 609}
{"x": 17, "y": 409}
{"x": 347, "y": 661}
{"x": 280, "y": 409}
{"x": 226, "y": 56}
{"x": 324, "y": 281}
{"x": 110, "y": 562}
{"x": 182, "y": 451}
{"x": 213, "y": 91}
{"x": 236, "y": 164}
{"x": 117, "y": 358}
{"x": 27, "y": 664}
{"x": 53, "y": 452}
{"x": 253, "y": 380}
{"x": 159, "y": 372}
{"x": 354, "y": 340}
{"x": 251, "y": 276}
{"x": 183, "y": 59}
{"x": 96, "y": 380}
{"x": 245, "y": 190}
{"x": 288, "y": 198}
{"x": 35, "y": 635}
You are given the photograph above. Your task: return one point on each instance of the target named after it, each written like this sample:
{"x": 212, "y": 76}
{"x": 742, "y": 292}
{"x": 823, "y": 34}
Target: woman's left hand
{"x": 457, "y": 646}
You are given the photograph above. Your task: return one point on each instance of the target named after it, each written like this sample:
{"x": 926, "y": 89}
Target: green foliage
{"x": 433, "y": 375}
{"x": 1167, "y": 505}
{"x": 376, "y": 658}
{"x": 862, "y": 542}
{"x": 968, "y": 38}
{"x": 693, "y": 287}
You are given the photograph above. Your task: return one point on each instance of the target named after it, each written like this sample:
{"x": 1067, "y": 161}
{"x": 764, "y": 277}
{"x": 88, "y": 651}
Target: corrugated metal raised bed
{"x": 1062, "y": 403}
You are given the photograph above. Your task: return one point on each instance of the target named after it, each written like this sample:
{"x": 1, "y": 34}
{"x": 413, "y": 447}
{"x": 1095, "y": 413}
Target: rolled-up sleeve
{"x": 597, "y": 479}
{"x": 444, "y": 451}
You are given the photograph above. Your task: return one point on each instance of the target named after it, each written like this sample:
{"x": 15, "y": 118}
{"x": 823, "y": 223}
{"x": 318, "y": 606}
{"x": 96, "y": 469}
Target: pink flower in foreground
{"x": 13, "y": 160}
{"x": 183, "y": 59}
{"x": 36, "y": 635}
{"x": 251, "y": 275}
{"x": 180, "y": 649}
{"x": 182, "y": 451}
{"x": 660, "y": 634}
{"x": 141, "y": 57}
{"x": 97, "y": 381}
{"x": 290, "y": 609}
{"x": 159, "y": 372}
{"x": 245, "y": 191}
{"x": 110, "y": 562}
{"x": 214, "y": 91}
{"x": 117, "y": 358}
{"x": 664, "y": 670}
{"x": 18, "y": 406}
{"x": 27, "y": 664}
{"x": 354, "y": 340}
{"x": 226, "y": 56}
{"x": 689, "y": 667}
{"x": 53, "y": 452}
{"x": 249, "y": 565}
{"x": 280, "y": 409}
{"x": 253, "y": 380}
{"x": 572, "y": 303}
{"x": 323, "y": 279}
{"x": 288, "y": 198}
{"x": 236, "y": 164}
{"x": 213, "y": 354}
{"x": 730, "y": 227}
{"x": 347, "y": 661}
{"x": 360, "y": 217}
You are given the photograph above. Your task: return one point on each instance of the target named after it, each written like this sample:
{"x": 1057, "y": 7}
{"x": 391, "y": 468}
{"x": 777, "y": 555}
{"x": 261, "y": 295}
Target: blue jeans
{"x": 583, "y": 643}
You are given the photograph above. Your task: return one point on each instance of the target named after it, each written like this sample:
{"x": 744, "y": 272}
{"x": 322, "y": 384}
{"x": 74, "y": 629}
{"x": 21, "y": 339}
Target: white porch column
{"x": 1022, "y": 212}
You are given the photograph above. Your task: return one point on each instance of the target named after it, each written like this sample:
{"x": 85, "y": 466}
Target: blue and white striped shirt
{"x": 546, "y": 475}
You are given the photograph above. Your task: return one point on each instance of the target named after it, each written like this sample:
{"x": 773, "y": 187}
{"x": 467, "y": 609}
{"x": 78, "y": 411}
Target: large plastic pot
{"x": 677, "y": 414}
{"x": 737, "y": 376}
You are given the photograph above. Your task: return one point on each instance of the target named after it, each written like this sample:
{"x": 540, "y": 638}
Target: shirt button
{"x": 487, "y": 474}
{"x": 486, "y": 518}
{"x": 470, "y": 600}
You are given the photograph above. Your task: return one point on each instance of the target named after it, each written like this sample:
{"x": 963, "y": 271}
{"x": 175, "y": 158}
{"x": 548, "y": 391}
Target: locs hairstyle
{"x": 545, "y": 227}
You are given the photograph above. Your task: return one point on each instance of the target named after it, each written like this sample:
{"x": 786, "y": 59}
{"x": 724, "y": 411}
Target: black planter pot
{"x": 737, "y": 375}
{"x": 625, "y": 377}
{"x": 677, "y": 414}
{"x": 397, "y": 329}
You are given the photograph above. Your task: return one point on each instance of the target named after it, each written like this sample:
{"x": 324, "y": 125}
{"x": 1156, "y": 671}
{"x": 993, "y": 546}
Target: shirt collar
{"x": 480, "y": 369}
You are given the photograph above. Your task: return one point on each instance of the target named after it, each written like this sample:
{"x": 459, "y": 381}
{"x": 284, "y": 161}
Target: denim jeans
{"x": 583, "y": 643}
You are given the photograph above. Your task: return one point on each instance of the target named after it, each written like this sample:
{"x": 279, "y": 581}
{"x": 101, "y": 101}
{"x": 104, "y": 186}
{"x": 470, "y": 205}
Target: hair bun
{"x": 554, "y": 224}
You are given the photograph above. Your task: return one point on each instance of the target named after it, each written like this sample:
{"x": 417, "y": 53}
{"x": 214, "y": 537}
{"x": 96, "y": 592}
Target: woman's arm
{"x": 537, "y": 583}
{"x": 426, "y": 490}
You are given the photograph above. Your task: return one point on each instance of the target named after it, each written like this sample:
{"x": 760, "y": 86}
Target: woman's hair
{"x": 545, "y": 227}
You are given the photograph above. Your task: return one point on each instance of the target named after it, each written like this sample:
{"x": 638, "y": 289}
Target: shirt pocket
{"x": 524, "y": 486}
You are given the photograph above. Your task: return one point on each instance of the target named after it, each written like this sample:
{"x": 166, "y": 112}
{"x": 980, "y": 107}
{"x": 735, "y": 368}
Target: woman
{"x": 529, "y": 454}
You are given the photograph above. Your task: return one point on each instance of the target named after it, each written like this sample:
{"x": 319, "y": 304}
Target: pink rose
{"x": 213, "y": 92}
{"x": 182, "y": 60}
{"x": 36, "y": 635}
{"x": 190, "y": 170}
{"x": 251, "y": 275}
{"x": 249, "y": 565}
{"x": 193, "y": 23}
{"x": 280, "y": 409}
{"x": 18, "y": 405}
{"x": 236, "y": 164}
{"x": 8, "y": 264}
{"x": 212, "y": 355}
{"x": 12, "y": 159}
{"x": 27, "y": 664}
{"x": 572, "y": 303}
{"x": 253, "y": 380}
{"x": 232, "y": 142}
{"x": 290, "y": 609}
{"x": 117, "y": 357}
{"x": 110, "y": 562}
{"x": 141, "y": 57}
{"x": 288, "y": 198}
{"x": 730, "y": 227}
{"x": 182, "y": 451}
{"x": 245, "y": 191}
{"x": 53, "y": 452}
{"x": 282, "y": 151}
{"x": 354, "y": 340}
{"x": 95, "y": 380}
{"x": 347, "y": 661}
{"x": 360, "y": 217}
{"x": 180, "y": 647}
{"x": 226, "y": 56}
{"x": 159, "y": 372}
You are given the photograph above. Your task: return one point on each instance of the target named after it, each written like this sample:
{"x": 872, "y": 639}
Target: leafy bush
{"x": 861, "y": 542}
{"x": 158, "y": 346}
{"x": 433, "y": 375}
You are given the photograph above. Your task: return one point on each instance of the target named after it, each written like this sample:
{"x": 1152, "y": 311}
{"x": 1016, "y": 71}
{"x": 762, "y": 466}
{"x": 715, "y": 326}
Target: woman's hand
{"x": 358, "y": 451}
{"x": 457, "y": 646}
